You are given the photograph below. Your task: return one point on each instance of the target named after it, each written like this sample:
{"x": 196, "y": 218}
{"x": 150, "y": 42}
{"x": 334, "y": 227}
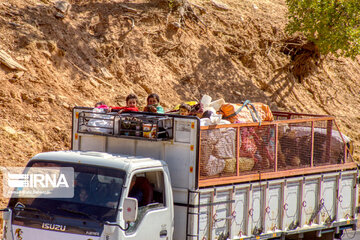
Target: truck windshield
{"x": 97, "y": 191}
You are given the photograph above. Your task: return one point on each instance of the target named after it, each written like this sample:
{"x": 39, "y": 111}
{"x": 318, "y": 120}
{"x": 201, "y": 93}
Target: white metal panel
{"x": 182, "y": 130}
{"x": 346, "y": 197}
{"x": 356, "y": 194}
{"x": 152, "y": 224}
{"x": 238, "y": 227}
{"x": 291, "y": 205}
{"x": 193, "y": 154}
{"x": 92, "y": 143}
{"x": 310, "y": 201}
{"x": 301, "y": 202}
{"x": 221, "y": 214}
{"x": 256, "y": 209}
{"x": 121, "y": 145}
{"x": 178, "y": 159}
{"x": 180, "y": 195}
{"x": 179, "y": 222}
{"x": 180, "y": 213}
{"x": 329, "y": 193}
{"x": 273, "y": 208}
{"x": 186, "y": 138}
{"x": 150, "y": 149}
{"x": 205, "y": 216}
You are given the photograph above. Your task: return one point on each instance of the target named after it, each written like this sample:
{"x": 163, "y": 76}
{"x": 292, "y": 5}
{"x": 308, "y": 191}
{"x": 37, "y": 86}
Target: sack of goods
{"x": 216, "y": 146}
{"x": 246, "y": 112}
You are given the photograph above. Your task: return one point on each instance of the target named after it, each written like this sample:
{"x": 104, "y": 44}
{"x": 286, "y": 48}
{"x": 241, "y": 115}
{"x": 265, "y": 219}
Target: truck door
{"x": 155, "y": 212}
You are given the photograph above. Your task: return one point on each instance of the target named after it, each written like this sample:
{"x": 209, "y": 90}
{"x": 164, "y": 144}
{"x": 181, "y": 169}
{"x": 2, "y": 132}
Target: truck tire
{"x": 339, "y": 235}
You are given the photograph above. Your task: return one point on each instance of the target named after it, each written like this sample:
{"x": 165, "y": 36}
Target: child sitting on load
{"x": 197, "y": 110}
{"x": 153, "y": 104}
{"x": 131, "y": 102}
{"x": 99, "y": 120}
{"x": 103, "y": 106}
{"x": 184, "y": 109}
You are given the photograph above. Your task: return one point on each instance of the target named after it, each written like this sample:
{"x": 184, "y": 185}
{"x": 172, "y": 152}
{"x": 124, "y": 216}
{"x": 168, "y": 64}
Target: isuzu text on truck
{"x": 291, "y": 178}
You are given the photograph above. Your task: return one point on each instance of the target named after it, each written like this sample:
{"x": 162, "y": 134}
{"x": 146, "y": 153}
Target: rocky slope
{"x": 238, "y": 51}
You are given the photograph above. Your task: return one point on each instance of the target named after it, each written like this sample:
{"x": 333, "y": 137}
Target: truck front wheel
{"x": 339, "y": 235}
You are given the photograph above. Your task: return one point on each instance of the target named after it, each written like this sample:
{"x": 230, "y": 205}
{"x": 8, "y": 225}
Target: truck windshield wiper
{"x": 78, "y": 213}
{"x": 17, "y": 208}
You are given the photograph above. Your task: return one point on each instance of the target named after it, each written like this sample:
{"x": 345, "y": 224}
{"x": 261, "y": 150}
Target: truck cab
{"x": 102, "y": 182}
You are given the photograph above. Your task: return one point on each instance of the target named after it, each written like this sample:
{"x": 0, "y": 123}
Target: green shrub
{"x": 333, "y": 25}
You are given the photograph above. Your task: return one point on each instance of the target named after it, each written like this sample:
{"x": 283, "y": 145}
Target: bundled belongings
{"x": 210, "y": 108}
{"x": 213, "y": 166}
{"x": 329, "y": 146}
{"x": 246, "y": 112}
{"x": 217, "y": 145}
{"x": 189, "y": 109}
{"x": 197, "y": 110}
{"x": 145, "y": 126}
{"x": 130, "y": 126}
{"x": 218, "y": 150}
{"x": 256, "y": 148}
{"x": 189, "y": 103}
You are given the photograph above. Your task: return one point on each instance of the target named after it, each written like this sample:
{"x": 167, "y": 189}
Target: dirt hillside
{"x": 236, "y": 51}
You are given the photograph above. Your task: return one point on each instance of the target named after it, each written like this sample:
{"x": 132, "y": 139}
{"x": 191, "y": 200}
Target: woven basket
{"x": 245, "y": 164}
{"x": 230, "y": 165}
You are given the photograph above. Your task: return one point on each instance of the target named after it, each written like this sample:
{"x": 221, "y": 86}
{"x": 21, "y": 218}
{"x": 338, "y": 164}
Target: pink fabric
{"x": 103, "y": 107}
{"x": 126, "y": 109}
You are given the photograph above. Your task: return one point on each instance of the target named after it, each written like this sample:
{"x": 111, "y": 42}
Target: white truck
{"x": 291, "y": 178}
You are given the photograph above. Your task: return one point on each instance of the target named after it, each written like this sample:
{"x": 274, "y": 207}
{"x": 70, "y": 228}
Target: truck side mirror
{"x": 6, "y": 214}
{"x": 130, "y": 209}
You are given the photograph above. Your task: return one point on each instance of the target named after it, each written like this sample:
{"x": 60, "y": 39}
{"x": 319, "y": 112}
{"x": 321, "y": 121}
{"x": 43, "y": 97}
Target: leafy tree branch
{"x": 333, "y": 25}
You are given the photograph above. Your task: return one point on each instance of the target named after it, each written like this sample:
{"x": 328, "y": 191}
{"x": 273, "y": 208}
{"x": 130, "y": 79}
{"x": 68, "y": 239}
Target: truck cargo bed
{"x": 293, "y": 176}
{"x": 316, "y": 204}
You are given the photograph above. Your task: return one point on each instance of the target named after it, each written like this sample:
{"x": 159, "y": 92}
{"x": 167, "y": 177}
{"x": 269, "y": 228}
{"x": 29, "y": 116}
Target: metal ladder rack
{"x": 127, "y": 125}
